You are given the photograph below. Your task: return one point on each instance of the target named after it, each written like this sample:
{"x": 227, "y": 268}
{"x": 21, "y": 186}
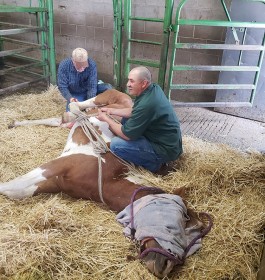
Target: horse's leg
{"x": 108, "y": 97}
{"x": 49, "y": 122}
{"x": 101, "y": 99}
{"x": 72, "y": 174}
{"x": 49, "y": 186}
{"x": 27, "y": 185}
{"x": 89, "y": 103}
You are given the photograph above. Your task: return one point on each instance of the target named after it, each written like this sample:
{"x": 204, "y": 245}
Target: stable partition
{"x": 27, "y": 54}
{"x": 125, "y": 42}
{"x": 238, "y": 45}
{"x": 185, "y": 81}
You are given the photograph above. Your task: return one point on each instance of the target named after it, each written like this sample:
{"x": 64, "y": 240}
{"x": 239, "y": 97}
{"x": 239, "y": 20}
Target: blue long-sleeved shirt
{"x": 71, "y": 81}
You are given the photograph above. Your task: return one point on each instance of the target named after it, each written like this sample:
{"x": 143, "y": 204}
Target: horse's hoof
{"x": 12, "y": 125}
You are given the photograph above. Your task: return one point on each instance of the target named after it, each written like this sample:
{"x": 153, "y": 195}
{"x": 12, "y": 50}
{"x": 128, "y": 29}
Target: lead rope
{"x": 176, "y": 259}
{"x": 99, "y": 145}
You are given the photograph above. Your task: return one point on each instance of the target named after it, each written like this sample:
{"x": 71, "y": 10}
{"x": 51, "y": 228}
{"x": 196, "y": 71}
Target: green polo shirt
{"x": 154, "y": 118}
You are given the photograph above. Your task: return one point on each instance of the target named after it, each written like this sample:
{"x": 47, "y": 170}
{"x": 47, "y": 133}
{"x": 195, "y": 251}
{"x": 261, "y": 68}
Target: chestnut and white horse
{"x": 87, "y": 169}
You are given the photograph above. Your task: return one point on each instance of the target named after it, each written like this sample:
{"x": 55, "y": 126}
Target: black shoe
{"x": 166, "y": 168}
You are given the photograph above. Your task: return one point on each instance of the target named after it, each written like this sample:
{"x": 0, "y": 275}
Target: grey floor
{"x": 206, "y": 124}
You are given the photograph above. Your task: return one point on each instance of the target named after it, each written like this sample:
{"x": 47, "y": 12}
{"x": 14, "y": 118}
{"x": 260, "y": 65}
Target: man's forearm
{"x": 125, "y": 112}
{"x": 116, "y": 128}
{"x": 65, "y": 93}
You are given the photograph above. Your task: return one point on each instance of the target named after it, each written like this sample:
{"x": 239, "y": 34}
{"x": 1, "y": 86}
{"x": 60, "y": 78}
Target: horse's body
{"x": 77, "y": 172}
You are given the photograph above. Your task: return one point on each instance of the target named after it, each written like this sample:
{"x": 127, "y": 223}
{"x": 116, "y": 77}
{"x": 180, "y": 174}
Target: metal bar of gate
{"x": 117, "y": 42}
{"x": 11, "y": 40}
{"x": 175, "y": 45}
{"x": 229, "y": 18}
{"x": 44, "y": 31}
{"x": 44, "y": 43}
{"x": 20, "y": 50}
{"x": 19, "y": 68}
{"x": 51, "y": 43}
{"x": 127, "y": 39}
{"x": 256, "y": 79}
{"x": 22, "y": 85}
{"x": 165, "y": 43}
{"x": 161, "y": 65}
{"x": 20, "y": 30}
{"x": 18, "y": 9}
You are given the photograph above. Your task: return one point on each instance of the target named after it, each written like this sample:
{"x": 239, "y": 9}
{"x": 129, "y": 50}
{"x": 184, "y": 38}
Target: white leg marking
{"x": 48, "y": 122}
{"x": 135, "y": 180}
{"x": 23, "y": 186}
{"x": 72, "y": 148}
{"x": 86, "y": 104}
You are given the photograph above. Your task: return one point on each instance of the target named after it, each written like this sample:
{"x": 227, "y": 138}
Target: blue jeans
{"x": 83, "y": 96}
{"x": 103, "y": 87}
{"x": 140, "y": 152}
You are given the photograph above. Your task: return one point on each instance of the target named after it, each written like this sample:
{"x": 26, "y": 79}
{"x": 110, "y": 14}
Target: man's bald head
{"x": 139, "y": 80}
{"x": 142, "y": 73}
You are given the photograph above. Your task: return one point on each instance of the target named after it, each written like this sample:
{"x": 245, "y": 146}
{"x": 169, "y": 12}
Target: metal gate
{"x": 30, "y": 70}
{"x": 237, "y": 46}
{"x": 171, "y": 69}
{"x": 244, "y": 10}
{"x": 123, "y": 19}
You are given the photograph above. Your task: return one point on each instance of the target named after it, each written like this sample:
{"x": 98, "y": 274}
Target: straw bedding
{"x": 57, "y": 237}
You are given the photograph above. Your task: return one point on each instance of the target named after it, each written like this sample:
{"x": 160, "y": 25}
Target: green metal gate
{"x": 237, "y": 46}
{"x": 35, "y": 69}
{"x": 123, "y": 19}
{"x": 123, "y": 60}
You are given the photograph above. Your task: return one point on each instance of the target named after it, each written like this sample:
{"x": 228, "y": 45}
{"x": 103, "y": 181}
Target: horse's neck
{"x": 78, "y": 137}
{"x": 117, "y": 195}
{"x": 103, "y": 129}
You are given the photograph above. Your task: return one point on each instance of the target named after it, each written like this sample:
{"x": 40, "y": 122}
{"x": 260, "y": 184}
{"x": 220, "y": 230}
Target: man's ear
{"x": 145, "y": 83}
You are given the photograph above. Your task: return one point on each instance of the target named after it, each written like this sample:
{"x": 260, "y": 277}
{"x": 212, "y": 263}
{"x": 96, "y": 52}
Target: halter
{"x": 175, "y": 259}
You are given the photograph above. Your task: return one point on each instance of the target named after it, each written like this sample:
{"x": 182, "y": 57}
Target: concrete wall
{"x": 89, "y": 24}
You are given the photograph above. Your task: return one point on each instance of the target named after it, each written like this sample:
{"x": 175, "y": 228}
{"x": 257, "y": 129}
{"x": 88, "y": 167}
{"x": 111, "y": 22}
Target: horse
{"x": 87, "y": 159}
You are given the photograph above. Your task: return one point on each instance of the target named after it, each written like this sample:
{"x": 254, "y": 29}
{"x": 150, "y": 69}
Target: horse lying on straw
{"x": 166, "y": 229}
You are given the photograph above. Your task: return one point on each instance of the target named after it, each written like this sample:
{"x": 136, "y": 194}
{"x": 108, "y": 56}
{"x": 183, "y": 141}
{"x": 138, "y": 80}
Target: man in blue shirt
{"x": 77, "y": 78}
{"x": 151, "y": 136}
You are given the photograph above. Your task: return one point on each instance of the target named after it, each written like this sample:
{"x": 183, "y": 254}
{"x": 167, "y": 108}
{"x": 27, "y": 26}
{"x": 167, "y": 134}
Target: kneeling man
{"x": 149, "y": 135}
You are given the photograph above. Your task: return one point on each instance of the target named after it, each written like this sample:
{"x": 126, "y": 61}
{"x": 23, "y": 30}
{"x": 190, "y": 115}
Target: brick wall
{"x": 89, "y": 24}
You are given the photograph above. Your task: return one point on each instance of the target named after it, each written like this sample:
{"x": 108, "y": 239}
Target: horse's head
{"x": 166, "y": 232}
{"x": 161, "y": 261}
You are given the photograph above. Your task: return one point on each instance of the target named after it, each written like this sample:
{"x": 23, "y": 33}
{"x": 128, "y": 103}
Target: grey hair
{"x": 143, "y": 73}
{"x": 79, "y": 55}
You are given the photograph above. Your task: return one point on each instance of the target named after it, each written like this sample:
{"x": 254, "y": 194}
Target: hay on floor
{"x": 57, "y": 237}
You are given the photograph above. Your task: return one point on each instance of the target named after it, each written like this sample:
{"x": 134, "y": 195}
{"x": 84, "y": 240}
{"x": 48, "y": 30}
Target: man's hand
{"x": 102, "y": 116}
{"x": 73, "y": 99}
{"x": 113, "y": 125}
{"x": 107, "y": 110}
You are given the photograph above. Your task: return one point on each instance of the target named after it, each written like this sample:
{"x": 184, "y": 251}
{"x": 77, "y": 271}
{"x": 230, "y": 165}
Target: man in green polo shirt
{"x": 151, "y": 134}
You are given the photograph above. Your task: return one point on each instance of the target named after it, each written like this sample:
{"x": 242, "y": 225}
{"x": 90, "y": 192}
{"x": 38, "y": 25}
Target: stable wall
{"x": 89, "y": 24}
